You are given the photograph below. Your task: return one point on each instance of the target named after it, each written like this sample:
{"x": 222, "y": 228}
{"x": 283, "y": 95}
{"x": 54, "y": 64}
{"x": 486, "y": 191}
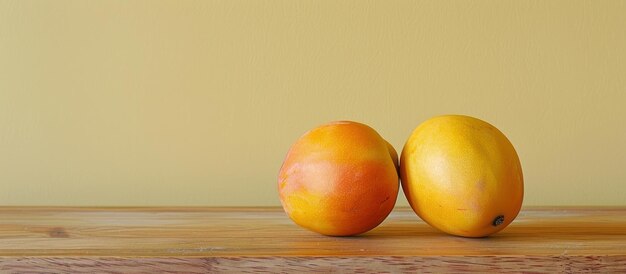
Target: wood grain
{"x": 200, "y": 240}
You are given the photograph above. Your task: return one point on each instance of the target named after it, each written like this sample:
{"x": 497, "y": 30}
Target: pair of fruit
{"x": 460, "y": 174}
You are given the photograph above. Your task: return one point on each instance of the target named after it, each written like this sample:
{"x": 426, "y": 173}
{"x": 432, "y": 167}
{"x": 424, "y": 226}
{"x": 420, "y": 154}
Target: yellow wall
{"x": 196, "y": 102}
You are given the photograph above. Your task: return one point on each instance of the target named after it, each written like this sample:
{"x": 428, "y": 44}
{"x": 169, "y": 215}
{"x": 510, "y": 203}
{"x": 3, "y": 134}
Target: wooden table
{"x": 201, "y": 240}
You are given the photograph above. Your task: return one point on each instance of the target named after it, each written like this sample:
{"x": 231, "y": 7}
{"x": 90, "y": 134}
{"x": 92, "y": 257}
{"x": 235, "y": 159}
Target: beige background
{"x": 197, "y": 102}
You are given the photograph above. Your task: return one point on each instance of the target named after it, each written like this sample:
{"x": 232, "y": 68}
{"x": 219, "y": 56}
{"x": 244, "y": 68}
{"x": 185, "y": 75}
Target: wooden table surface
{"x": 201, "y": 240}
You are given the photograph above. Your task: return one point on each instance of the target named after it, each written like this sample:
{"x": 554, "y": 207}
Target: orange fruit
{"x": 462, "y": 176}
{"x": 339, "y": 179}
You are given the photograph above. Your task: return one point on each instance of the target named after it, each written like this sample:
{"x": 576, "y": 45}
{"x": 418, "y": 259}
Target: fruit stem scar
{"x": 498, "y": 220}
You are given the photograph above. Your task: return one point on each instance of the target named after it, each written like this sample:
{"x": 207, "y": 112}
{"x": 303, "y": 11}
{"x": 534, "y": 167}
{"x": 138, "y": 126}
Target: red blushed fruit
{"x": 339, "y": 179}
